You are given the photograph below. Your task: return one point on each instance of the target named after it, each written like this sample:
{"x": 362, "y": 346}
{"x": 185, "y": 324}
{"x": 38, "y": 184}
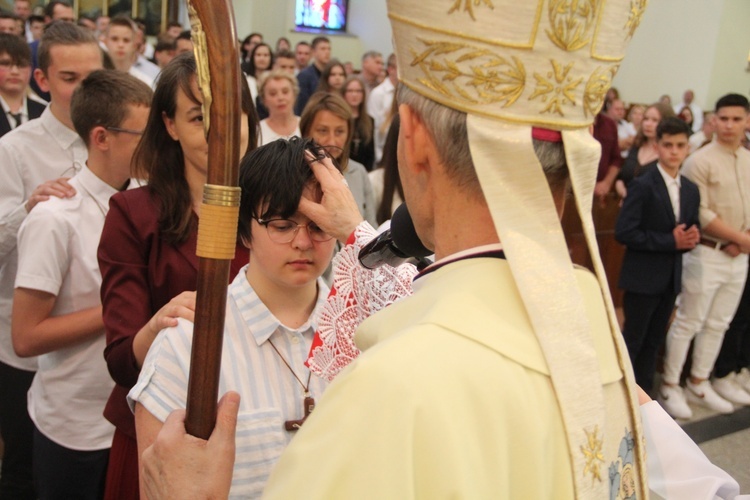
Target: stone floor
{"x": 725, "y": 439}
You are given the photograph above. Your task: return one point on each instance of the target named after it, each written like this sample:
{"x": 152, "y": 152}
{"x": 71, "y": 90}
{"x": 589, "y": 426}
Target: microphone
{"x": 397, "y": 245}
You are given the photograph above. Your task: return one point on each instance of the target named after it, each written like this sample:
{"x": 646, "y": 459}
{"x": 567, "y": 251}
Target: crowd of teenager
{"x": 103, "y": 162}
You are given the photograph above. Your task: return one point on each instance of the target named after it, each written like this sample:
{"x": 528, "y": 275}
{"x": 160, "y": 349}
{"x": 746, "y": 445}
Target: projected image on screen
{"x": 323, "y": 15}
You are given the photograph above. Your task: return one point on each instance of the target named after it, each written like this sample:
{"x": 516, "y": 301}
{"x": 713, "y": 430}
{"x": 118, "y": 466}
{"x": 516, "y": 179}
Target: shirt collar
{"x": 256, "y": 316}
{"x": 727, "y": 149}
{"x": 24, "y": 108}
{"x": 64, "y": 136}
{"x": 668, "y": 179}
{"x": 94, "y": 186}
{"x": 491, "y": 250}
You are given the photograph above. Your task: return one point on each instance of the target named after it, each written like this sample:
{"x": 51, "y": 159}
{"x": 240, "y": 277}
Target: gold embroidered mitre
{"x": 546, "y": 63}
{"x": 511, "y": 65}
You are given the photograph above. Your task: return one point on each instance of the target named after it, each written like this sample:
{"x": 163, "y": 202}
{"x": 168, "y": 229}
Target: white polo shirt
{"x": 57, "y": 247}
{"x": 38, "y": 151}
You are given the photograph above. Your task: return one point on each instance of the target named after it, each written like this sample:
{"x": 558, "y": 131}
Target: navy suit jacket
{"x": 308, "y": 80}
{"x": 33, "y": 108}
{"x": 652, "y": 265}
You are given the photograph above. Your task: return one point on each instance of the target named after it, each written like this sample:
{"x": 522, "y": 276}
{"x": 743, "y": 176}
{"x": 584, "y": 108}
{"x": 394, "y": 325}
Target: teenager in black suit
{"x": 658, "y": 222}
{"x": 15, "y": 68}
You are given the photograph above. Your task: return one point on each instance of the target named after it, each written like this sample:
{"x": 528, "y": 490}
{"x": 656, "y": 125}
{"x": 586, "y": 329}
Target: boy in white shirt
{"x": 35, "y": 161}
{"x": 56, "y": 305}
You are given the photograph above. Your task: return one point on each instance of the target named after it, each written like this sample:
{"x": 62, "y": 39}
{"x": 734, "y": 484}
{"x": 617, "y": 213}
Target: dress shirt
{"x": 23, "y": 113}
{"x": 379, "y": 105}
{"x": 143, "y": 65}
{"x": 133, "y": 71}
{"x": 625, "y": 129}
{"x": 36, "y": 152}
{"x": 270, "y": 393}
{"x": 57, "y": 246}
{"x": 673, "y": 188}
{"x": 723, "y": 178}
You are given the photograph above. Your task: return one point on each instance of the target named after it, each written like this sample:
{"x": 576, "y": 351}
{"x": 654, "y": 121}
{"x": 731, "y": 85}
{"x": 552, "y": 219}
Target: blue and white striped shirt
{"x": 270, "y": 393}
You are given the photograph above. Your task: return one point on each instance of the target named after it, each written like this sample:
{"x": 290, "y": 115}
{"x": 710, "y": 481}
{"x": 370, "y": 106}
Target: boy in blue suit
{"x": 658, "y": 223}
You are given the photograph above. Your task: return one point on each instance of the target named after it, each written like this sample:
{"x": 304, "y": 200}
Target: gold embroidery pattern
{"x": 637, "y": 8}
{"x": 596, "y": 87}
{"x": 592, "y": 452}
{"x": 469, "y": 6}
{"x": 571, "y": 22}
{"x": 490, "y": 79}
{"x": 557, "y": 88}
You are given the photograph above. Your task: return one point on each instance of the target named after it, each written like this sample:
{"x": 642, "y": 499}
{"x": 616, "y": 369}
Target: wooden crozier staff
{"x": 215, "y": 41}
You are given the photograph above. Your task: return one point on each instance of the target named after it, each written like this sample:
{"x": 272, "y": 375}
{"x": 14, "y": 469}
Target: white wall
{"x": 671, "y": 50}
{"x": 369, "y": 28}
{"x": 729, "y": 72}
{"x": 688, "y": 44}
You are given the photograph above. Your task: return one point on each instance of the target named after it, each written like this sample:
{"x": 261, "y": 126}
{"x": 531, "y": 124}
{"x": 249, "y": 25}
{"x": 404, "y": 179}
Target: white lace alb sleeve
{"x": 356, "y": 294}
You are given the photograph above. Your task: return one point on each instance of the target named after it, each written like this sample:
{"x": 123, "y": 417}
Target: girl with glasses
{"x": 147, "y": 250}
{"x": 270, "y": 319}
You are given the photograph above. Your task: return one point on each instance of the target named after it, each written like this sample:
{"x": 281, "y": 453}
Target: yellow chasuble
{"x": 451, "y": 398}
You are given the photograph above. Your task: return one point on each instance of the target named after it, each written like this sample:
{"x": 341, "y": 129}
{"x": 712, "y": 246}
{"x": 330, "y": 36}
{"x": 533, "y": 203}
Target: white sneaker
{"x": 728, "y": 388}
{"x": 704, "y": 395}
{"x": 743, "y": 379}
{"x": 672, "y": 399}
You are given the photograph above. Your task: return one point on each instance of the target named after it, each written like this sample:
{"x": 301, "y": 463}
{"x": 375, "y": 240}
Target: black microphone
{"x": 397, "y": 245}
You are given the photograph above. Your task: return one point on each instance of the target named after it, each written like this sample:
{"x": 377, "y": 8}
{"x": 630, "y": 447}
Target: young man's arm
{"x": 14, "y": 206}
{"x": 35, "y": 332}
{"x": 711, "y": 223}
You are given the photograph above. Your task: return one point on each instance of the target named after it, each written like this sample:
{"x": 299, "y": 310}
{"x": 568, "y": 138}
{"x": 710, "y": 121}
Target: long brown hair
{"x": 391, "y": 178}
{"x": 664, "y": 112}
{"x": 362, "y": 123}
{"x": 159, "y": 159}
{"x": 335, "y": 104}
{"x": 323, "y": 85}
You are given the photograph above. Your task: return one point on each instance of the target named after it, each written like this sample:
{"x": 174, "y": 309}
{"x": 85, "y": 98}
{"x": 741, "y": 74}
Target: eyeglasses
{"x": 7, "y": 64}
{"x": 125, "y": 130}
{"x": 355, "y": 91}
{"x": 285, "y": 230}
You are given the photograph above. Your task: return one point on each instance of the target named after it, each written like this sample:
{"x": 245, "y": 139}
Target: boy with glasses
{"x": 15, "y": 70}
{"x": 57, "y": 313}
{"x": 270, "y": 320}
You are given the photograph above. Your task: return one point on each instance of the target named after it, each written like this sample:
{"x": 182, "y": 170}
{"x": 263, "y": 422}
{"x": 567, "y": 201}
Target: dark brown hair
{"x": 391, "y": 178}
{"x": 103, "y": 99}
{"x": 362, "y": 123}
{"x": 323, "y": 85}
{"x": 159, "y": 159}
{"x": 16, "y": 48}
